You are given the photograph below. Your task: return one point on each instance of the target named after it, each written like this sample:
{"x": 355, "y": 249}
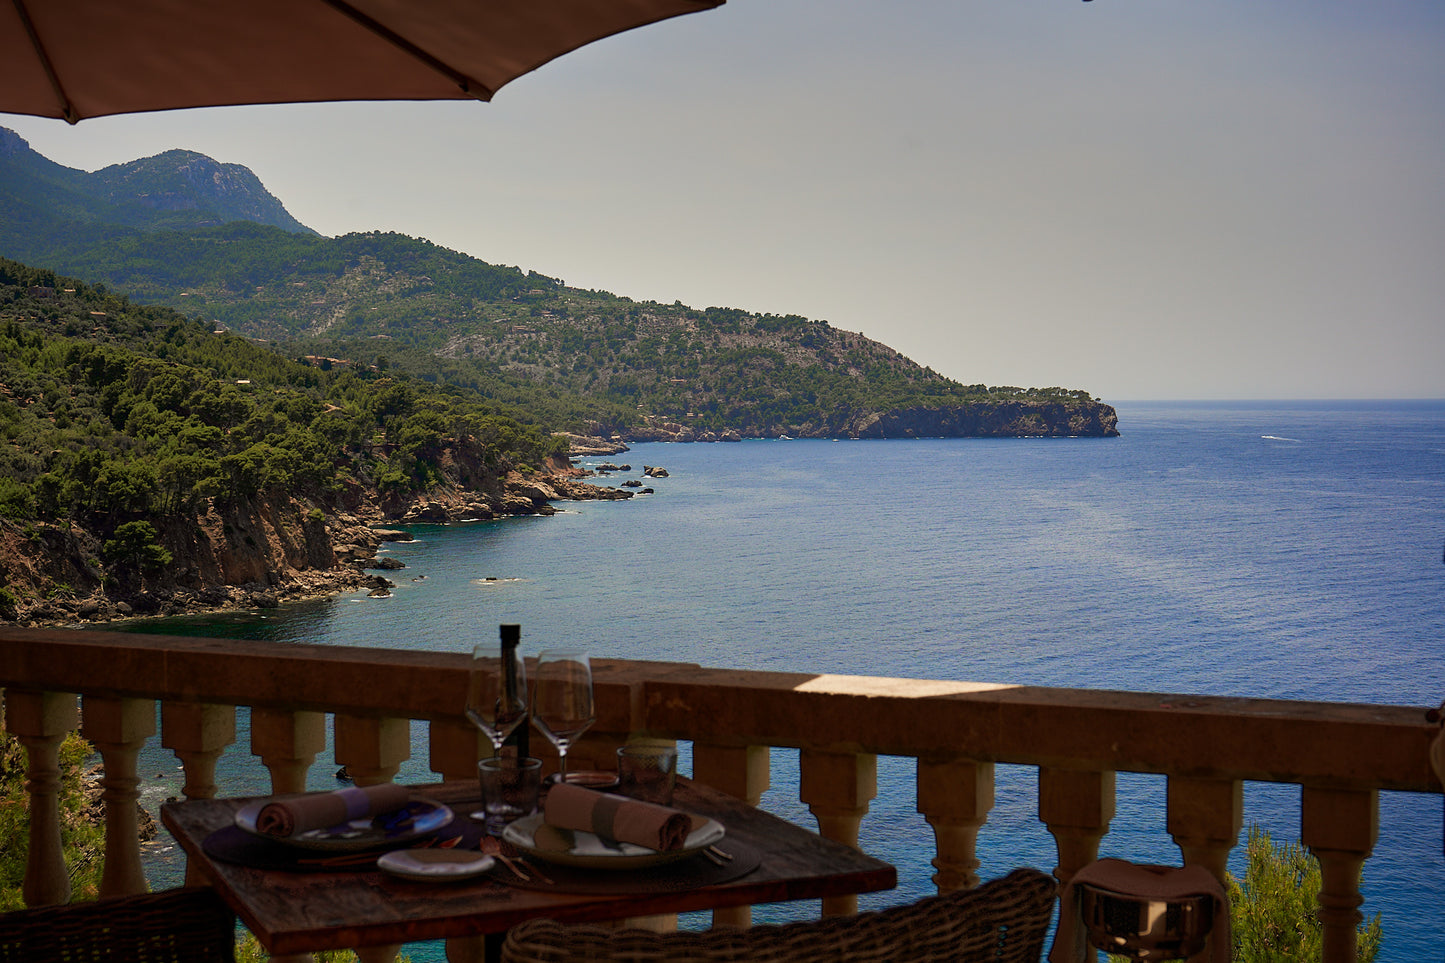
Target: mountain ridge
{"x": 173, "y": 189}
{"x": 590, "y": 362}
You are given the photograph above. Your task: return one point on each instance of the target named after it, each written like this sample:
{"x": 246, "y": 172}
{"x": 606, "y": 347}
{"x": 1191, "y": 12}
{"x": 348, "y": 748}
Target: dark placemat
{"x": 235, "y": 845}
{"x": 688, "y": 873}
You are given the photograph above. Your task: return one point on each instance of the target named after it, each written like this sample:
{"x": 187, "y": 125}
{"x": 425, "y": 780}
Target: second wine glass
{"x": 562, "y": 703}
{"x": 497, "y": 691}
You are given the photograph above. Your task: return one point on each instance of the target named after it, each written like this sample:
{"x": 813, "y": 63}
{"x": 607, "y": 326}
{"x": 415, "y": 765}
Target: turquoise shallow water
{"x": 1266, "y": 549}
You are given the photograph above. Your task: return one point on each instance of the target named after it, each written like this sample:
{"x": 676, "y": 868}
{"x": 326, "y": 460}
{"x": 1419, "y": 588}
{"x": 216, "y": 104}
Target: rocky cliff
{"x": 1007, "y": 419}
{"x": 254, "y": 553}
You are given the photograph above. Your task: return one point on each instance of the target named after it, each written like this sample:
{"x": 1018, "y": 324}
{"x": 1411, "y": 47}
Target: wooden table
{"x": 304, "y": 912}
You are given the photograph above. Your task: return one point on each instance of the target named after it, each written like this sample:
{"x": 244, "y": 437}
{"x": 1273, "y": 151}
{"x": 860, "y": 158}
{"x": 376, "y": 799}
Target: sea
{"x": 1286, "y": 550}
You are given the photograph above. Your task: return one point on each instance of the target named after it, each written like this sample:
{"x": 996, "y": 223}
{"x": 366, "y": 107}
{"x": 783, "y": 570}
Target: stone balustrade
{"x": 1341, "y": 755}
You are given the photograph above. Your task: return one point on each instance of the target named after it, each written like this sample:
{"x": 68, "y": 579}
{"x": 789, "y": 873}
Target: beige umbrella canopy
{"x": 74, "y": 59}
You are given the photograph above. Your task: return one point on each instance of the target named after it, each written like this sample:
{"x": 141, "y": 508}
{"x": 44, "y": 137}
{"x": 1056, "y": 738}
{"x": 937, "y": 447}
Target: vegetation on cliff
{"x": 124, "y": 411}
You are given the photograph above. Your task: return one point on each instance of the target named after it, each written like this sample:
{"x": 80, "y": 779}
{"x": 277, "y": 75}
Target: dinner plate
{"x": 429, "y": 816}
{"x": 435, "y": 865}
{"x": 591, "y": 851}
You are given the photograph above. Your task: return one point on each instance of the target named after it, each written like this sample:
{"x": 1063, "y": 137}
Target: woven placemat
{"x": 690, "y": 872}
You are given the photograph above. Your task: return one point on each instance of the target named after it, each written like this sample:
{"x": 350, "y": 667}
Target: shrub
{"x": 1273, "y": 907}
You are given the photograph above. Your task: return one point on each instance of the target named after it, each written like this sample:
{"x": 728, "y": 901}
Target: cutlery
{"x": 494, "y": 847}
{"x": 511, "y": 852}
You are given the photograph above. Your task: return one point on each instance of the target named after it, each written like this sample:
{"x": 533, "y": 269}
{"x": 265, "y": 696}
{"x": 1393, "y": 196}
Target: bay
{"x": 1281, "y": 550}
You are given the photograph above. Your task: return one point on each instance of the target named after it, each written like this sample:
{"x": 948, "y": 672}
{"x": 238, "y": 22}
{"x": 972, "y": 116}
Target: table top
{"x": 293, "y": 912}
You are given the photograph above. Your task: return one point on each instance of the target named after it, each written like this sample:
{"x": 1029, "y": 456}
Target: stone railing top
{"x": 1316, "y": 743}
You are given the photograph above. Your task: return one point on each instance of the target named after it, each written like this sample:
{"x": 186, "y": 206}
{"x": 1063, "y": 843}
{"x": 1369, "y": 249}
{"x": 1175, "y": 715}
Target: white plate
{"x": 430, "y": 865}
{"x": 593, "y": 852}
{"x": 355, "y": 835}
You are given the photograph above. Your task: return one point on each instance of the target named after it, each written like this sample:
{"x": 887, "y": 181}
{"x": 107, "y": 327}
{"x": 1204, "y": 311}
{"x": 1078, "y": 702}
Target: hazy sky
{"x": 1145, "y": 199}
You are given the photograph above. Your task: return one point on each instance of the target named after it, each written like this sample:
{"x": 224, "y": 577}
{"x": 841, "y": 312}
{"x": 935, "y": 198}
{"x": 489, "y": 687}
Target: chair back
{"x": 181, "y": 925}
{"x": 1003, "y": 921}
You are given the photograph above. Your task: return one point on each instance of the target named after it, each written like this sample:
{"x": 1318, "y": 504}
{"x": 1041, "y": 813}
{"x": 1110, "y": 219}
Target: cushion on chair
{"x": 1002, "y": 921}
{"x": 173, "y": 925}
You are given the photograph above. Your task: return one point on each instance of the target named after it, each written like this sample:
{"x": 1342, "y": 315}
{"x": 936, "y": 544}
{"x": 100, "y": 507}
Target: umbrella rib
{"x": 67, "y": 109}
{"x": 467, "y": 84}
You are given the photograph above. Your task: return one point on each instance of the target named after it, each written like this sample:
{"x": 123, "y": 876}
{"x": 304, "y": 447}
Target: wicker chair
{"x": 190, "y": 925}
{"x": 1002, "y": 921}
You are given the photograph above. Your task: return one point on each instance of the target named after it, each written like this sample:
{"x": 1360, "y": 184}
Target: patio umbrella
{"x": 74, "y": 59}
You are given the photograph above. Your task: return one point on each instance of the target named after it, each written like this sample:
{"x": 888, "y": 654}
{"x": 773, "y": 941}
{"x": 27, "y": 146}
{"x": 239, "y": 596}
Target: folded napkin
{"x": 1140, "y": 881}
{"x": 616, "y": 817}
{"x": 322, "y": 810}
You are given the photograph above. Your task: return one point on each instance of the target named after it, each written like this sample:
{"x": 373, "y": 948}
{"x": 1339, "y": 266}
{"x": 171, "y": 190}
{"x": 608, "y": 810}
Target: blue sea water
{"x": 1282, "y": 550}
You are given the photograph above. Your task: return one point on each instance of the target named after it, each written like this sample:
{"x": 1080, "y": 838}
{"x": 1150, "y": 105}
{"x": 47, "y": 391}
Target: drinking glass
{"x": 510, "y": 788}
{"x": 562, "y": 702}
{"x": 497, "y": 692}
{"x": 647, "y": 772}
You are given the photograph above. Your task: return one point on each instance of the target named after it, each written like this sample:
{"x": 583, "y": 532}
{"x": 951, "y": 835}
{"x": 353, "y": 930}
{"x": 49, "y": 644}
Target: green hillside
{"x": 112, "y": 412}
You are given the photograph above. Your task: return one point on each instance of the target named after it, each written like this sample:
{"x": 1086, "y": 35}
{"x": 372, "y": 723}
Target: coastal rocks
{"x": 592, "y": 493}
{"x": 534, "y": 490}
{"x": 426, "y": 511}
{"x": 263, "y": 600}
{"x": 652, "y": 471}
{"x": 590, "y": 445}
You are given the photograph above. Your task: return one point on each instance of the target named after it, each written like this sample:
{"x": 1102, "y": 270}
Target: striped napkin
{"x": 321, "y": 810}
{"x": 616, "y": 817}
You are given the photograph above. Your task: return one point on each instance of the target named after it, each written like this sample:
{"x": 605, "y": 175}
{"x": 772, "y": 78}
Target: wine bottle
{"x": 519, "y": 741}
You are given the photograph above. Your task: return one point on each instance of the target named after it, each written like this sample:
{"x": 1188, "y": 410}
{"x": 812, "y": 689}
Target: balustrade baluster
{"x": 741, "y": 771}
{"x": 954, "y": 796}
{"x": 287, "y": 743}
{"x": 1437, "y": 756}
{"x": 119, "y": 728}
{"x": 1340, "y": 827}
{"x": 372, "y": 749}
{"x": 1204, "y": 817}
{"x": 467, "y": 949}
{"x": 41, "y": 720}
{"x": 838, "y": 788}
{"x": 1076, "y": 805}
{"x": 197, "y": 733}
{"x": 454, "y": 749}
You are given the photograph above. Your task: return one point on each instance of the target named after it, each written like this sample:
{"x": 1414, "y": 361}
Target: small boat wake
{"x": 1280, "y": 438}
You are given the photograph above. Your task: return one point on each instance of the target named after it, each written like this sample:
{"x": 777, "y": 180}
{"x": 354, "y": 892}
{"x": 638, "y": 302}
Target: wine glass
{"x": 497, "y": 691}
{"x": 562, "y": 701}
